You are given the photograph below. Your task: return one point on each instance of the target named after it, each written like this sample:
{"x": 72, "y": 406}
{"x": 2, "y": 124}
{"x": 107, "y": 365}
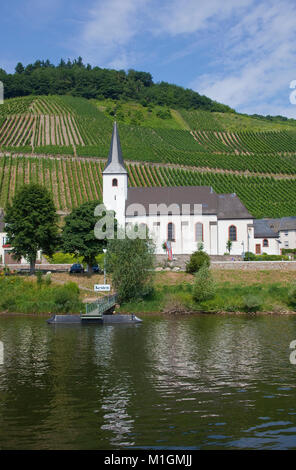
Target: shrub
{"x": 39, "y": 275}
{"x": 197, "y": 260}
{"x": 252, "y": 303}
{"x": 249, "y": 256}
{"x": 66, "y": 298}
{"x": 292, "y": 296}
{"x": 204, "y": 287}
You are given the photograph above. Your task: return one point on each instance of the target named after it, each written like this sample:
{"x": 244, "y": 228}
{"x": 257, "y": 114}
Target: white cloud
{"x": 259, "y": 61}
{"x": 188, "y": 16}
{"x": 110, "y": 26}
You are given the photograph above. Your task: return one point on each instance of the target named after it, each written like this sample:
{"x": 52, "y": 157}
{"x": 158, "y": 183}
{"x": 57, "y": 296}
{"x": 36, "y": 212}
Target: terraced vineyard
{"x": 73, "y": 181}
{"x": 65, "y": 125}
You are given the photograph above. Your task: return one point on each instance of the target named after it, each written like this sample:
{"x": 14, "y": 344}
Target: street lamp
{"x": 243, "y": 245}
{"x": 104, "y": 251}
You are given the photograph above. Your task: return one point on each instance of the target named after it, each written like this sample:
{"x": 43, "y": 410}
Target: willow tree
{"x": 31, "y": 223}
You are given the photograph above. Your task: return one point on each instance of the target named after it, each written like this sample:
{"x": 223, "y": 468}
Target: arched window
{"x": 199, "y": 232}
{"x": 171, "y": 232}
{"x": 114, "y": 182}
{"x": 265, "y": 242}
{"x": 232, "y": 236}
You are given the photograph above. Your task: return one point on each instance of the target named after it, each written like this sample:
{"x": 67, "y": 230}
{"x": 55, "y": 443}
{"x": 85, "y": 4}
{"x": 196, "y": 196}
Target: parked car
{"x": 76, "y": 268}
{"x": 97, "y": 269}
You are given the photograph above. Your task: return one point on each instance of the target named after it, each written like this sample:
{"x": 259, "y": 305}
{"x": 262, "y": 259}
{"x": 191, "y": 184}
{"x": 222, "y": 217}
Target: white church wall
{"x": 242, "y": 243}
{"x": 185, "y": 241}
{"x": 114, "y": 197}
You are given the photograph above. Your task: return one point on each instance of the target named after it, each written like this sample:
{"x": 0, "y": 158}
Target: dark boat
{"x": 103, "y": 319}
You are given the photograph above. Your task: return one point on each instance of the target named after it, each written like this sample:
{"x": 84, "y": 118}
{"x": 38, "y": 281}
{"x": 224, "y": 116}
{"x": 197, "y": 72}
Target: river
{"x": 200, "y": 382}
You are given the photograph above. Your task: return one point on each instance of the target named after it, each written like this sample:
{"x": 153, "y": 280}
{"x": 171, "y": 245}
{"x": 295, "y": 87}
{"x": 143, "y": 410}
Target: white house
{"x": 273, "y": 235}
{"x": 182, "y": 216}
{"x": 6, "y": 256}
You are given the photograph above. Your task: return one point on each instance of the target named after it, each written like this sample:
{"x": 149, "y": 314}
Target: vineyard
{"x": 61, "y": 139}
{"x": 73, "y": 181}
{"x": 64, "y": 125}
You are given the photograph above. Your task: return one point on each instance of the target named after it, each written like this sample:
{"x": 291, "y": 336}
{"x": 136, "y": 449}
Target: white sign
{"x": 102, "y": 287}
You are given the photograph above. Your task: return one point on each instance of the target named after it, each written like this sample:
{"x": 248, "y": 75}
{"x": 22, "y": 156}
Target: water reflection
{"x": 197, "y": 382}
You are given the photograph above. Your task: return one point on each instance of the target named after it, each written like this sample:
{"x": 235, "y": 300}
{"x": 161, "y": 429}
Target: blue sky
{"x": 239, "y": 52}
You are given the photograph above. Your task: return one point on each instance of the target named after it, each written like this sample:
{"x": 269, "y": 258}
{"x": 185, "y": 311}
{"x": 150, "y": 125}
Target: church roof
{"x": 266, "y": 228}
{"x": 225, "y": 206}
{"x": 115, "y": 159}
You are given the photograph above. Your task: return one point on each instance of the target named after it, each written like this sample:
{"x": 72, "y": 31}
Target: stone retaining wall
{"x": 221, "y": 262}
{"x": 255, "y": 265}
{"x": 40, "y": 267}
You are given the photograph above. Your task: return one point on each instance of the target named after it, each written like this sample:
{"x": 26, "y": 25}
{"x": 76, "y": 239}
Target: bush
{"x": 249, "y": 256}
{"x": 252, "y": 303}
{"x": 197, "y": 260}
{"x": 292, "y": 296}
{"x": 204, "y": 287}
{"x": 66, "y": 298}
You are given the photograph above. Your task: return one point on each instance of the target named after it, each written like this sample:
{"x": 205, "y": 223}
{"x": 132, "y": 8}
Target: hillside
{"x": 253, "y": 157}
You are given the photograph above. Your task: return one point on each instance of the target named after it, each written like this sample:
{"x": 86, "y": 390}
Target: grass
{"x": 237, "y": 291}
{"x": 133, "y": 113}
{"x": 22, "y": 295}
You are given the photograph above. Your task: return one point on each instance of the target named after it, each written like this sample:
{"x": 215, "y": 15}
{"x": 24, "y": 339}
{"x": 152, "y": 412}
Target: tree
{"x": 78, "y": 235}
{"x": 19, "y": 68}
{"x": 229, "y": 245}
{"x": 197, "y": 259}
{"x": 204, "y": 287}
{"x": 131, "y": 263}
{"x": 32, "y": 223}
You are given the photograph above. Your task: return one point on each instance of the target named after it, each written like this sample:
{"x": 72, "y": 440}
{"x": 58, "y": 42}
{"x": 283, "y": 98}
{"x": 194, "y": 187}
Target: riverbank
{"x": 236, "y": 292}
{"x": 266, "y": 291}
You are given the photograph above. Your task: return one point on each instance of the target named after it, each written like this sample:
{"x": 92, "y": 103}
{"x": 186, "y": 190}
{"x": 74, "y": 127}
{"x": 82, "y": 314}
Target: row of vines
{"x": 73, "y": 181}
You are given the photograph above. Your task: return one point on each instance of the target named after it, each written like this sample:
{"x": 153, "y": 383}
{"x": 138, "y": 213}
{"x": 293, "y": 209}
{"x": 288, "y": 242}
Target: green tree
{"x": 204, "y": 287}
{"x": 32, "y": 223}
{"x": 229, "y": 245}
{"x": 78, "y": 235}
{"x": 131, "y": 263}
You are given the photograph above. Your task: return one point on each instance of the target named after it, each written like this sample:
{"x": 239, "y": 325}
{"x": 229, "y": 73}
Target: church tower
{"x": 115, "y": 180}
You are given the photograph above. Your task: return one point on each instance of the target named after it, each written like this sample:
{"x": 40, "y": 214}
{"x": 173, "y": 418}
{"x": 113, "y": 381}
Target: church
{"x": 184, "y": 216}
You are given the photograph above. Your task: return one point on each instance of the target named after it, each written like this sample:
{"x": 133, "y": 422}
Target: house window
{"x": 171, "y": 232}
{"x": 199, "y": 232}
{"x": 232, "y": 233}
{"x": 286, "y": 244}
{"x": 114, "y": 182}
{"x": 265, "y": 243}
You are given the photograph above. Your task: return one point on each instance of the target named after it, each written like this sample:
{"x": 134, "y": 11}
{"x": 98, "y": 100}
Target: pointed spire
{"x": 115, "y": 159}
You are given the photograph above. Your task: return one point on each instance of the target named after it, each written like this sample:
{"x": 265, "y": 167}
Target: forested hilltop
{"x": 77, "y": 79}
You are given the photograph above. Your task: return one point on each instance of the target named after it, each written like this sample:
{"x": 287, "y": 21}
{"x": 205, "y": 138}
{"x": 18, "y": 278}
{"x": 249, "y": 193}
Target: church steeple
{"x": 115, "y": 159}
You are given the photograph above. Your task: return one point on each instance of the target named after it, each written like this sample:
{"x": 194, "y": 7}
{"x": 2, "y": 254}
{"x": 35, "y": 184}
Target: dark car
{"x": 96, "y": 269}
{"x": 76, "y": 269}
